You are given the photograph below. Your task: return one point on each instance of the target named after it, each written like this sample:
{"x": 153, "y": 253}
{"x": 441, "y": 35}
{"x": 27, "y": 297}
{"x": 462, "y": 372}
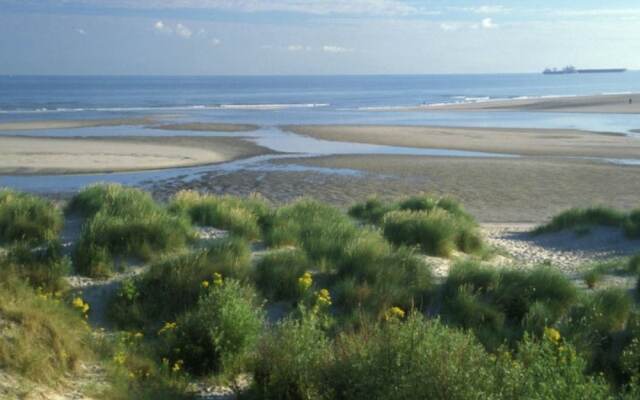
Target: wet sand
{"x": 29, "y": 155}
{"x": 494, "y": 190}
{"x": 613, "y": 103}
{"x": 531, "y": 142}
{"x": 208, "y": 127}
{"x": 70, "y": 124}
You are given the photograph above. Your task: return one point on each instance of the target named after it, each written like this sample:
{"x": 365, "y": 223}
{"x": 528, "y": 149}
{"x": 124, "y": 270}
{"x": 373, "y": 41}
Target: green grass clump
{"x": 24, "y": 217}
{"x": 43, "y": 267}
{"x": 319, "y": 229}
{"x": 220, "y": 333}
{"x": 123, "y": 223}
{"x": 371, "y": 211}
{"x": 277, "y": 274}
{"x": 41, "y": 338}
{"x": 241, "y": 217}
{"x": 436, "y": 232}
{"x": 580, "y": 219}
{"x": 173, "y": 286}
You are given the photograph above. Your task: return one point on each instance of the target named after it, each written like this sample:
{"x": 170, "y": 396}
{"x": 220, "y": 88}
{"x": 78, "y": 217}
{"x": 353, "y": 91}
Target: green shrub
{"x": 25, "y": 217}
{"x": 43, "y": 267}
{"x": 547, "y": 369}
{"x": 416, "y": 359}
{"x": 123, "y": 222}
{"x": 632, "y": 224}
{"x": 41, "y": 338}
{"x": 633, "y": 266}
{"x": 592, "y": 278}
{"x": 277, "y": 274}
{"x": 290, "y": 361}
{"x": 241, "y": 217}
{"x": 220, "y": 333}
{"x": 173, "y": 286}
{"x": 437, "y": 232}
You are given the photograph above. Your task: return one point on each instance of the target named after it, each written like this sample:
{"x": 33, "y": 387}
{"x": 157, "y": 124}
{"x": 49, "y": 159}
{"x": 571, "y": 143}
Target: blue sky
{"x": 314, "y": 36}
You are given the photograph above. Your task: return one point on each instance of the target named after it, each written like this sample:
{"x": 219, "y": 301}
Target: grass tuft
{"x": 24, "y": 217}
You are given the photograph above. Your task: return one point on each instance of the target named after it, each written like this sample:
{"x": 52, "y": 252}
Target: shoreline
{"x": 599, "y": 103}
{"x": 71, "y": 124}
{"x": 28, "y": 156}
{"x": 513, "y": 141}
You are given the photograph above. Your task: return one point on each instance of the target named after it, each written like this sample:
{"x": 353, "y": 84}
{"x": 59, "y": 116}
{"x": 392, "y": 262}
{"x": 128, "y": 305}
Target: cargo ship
{"x": 573, "y": 70}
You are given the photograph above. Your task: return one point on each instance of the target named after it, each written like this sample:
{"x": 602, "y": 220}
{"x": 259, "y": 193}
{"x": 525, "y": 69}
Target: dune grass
{"x": 41, "y": 337}
{"x": 277, "y": 274}
{"x": 43, "y": 267}
{"x": 24, "y": 217}
{"x": 123, "y": 223}
{"x": 581, "y": 219}
{"x": 241, "y": 216}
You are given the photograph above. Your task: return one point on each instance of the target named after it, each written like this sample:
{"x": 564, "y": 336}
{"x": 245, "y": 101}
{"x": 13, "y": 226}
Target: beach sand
{"x": 29, "y": 155}
{"x": 520, "y": 141}
{"x": 494, "y": 190}
{"x": 70, "y": 124}
{"x": 605, "y": 103}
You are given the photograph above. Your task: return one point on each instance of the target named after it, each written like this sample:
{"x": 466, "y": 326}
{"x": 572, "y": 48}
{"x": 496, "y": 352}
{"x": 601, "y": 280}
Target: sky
{"x": 309, "y": 37}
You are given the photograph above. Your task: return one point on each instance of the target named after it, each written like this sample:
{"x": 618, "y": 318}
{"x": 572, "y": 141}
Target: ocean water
{"x": 273, "y": 101}
{"x": 308, "y": 99}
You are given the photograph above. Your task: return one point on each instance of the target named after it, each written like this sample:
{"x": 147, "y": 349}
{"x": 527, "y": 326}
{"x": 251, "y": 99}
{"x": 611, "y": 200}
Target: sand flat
{"x": 605, "y": 103}
{"x": 70, "y": 124}
{"x": 520, "y": 141}
{"x": 29, "y": 155}
{"x": 208, "y": 127}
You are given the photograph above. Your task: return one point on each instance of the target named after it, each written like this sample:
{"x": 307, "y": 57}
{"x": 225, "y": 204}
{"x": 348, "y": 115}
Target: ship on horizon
{"x": 570, "y": 69}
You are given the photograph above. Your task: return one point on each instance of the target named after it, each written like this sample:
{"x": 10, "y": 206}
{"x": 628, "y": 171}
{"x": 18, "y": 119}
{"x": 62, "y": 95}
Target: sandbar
{"x": 70, "y": 124}
{"x": 208, "y": 127}
{"x": 603, "y": 103}
{"x": 30, "y": 155}
{"x": 516, "y": 141}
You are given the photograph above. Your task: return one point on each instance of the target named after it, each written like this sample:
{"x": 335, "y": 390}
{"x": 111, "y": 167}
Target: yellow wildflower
{"x": 177, "y": 366}
{"x": 394, "y": 313}
{"x": 205, "y": 284}
{"x": 217, "y": 279}
{"x": 78, "y": 302}
{"x": 323, "y": 297}
{"x": 168, "y": 326}
{"x": 120, "y": 358}
{"x": 552, "y": 334}
{"x": 305, "y": 282}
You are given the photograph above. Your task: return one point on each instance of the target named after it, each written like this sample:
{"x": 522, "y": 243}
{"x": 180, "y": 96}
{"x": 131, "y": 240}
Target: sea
{"x": 272, "y": 101}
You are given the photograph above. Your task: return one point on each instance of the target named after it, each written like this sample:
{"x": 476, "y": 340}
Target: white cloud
{"x": 215, "y": 41}
{"x": 486, "y": 9}
{"x": 178, "y": 29}
{"x": 335, "y": 49}
{"x": 488, "y": 23}
{"x": 80, "y": 31}
{"x": 298, "y": 47}
{"x": 448, "y": 26}
{"x": 183, "y": 31}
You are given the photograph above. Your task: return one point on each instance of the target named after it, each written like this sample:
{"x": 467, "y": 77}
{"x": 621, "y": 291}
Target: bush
{"x": 632, "y": 224}
{"x": 633, "y": 266}
{"x": 123, "y": 222}
{"x": 220, "y": 333}
{"x": 577, "y": 217}
{"x": 290, "y": 360}
{"x": 25, "y": 217}
{"x": 173, "y": 286}
{"x": 41, "y": 338}
{"x": 547, "y": 369}
{"x": 416, "y": 359}
{"x": 43, "y": 267}
{"x": 241, "y": 217}
{"x": 437, "y": 232}
{"x": 277, "y": 274}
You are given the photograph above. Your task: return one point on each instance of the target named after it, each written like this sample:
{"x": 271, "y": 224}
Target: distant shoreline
{"x": 601, "y": 103}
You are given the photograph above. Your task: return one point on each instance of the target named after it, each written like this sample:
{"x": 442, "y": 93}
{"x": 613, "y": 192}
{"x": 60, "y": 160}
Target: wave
{"x": 282, "y": 106}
